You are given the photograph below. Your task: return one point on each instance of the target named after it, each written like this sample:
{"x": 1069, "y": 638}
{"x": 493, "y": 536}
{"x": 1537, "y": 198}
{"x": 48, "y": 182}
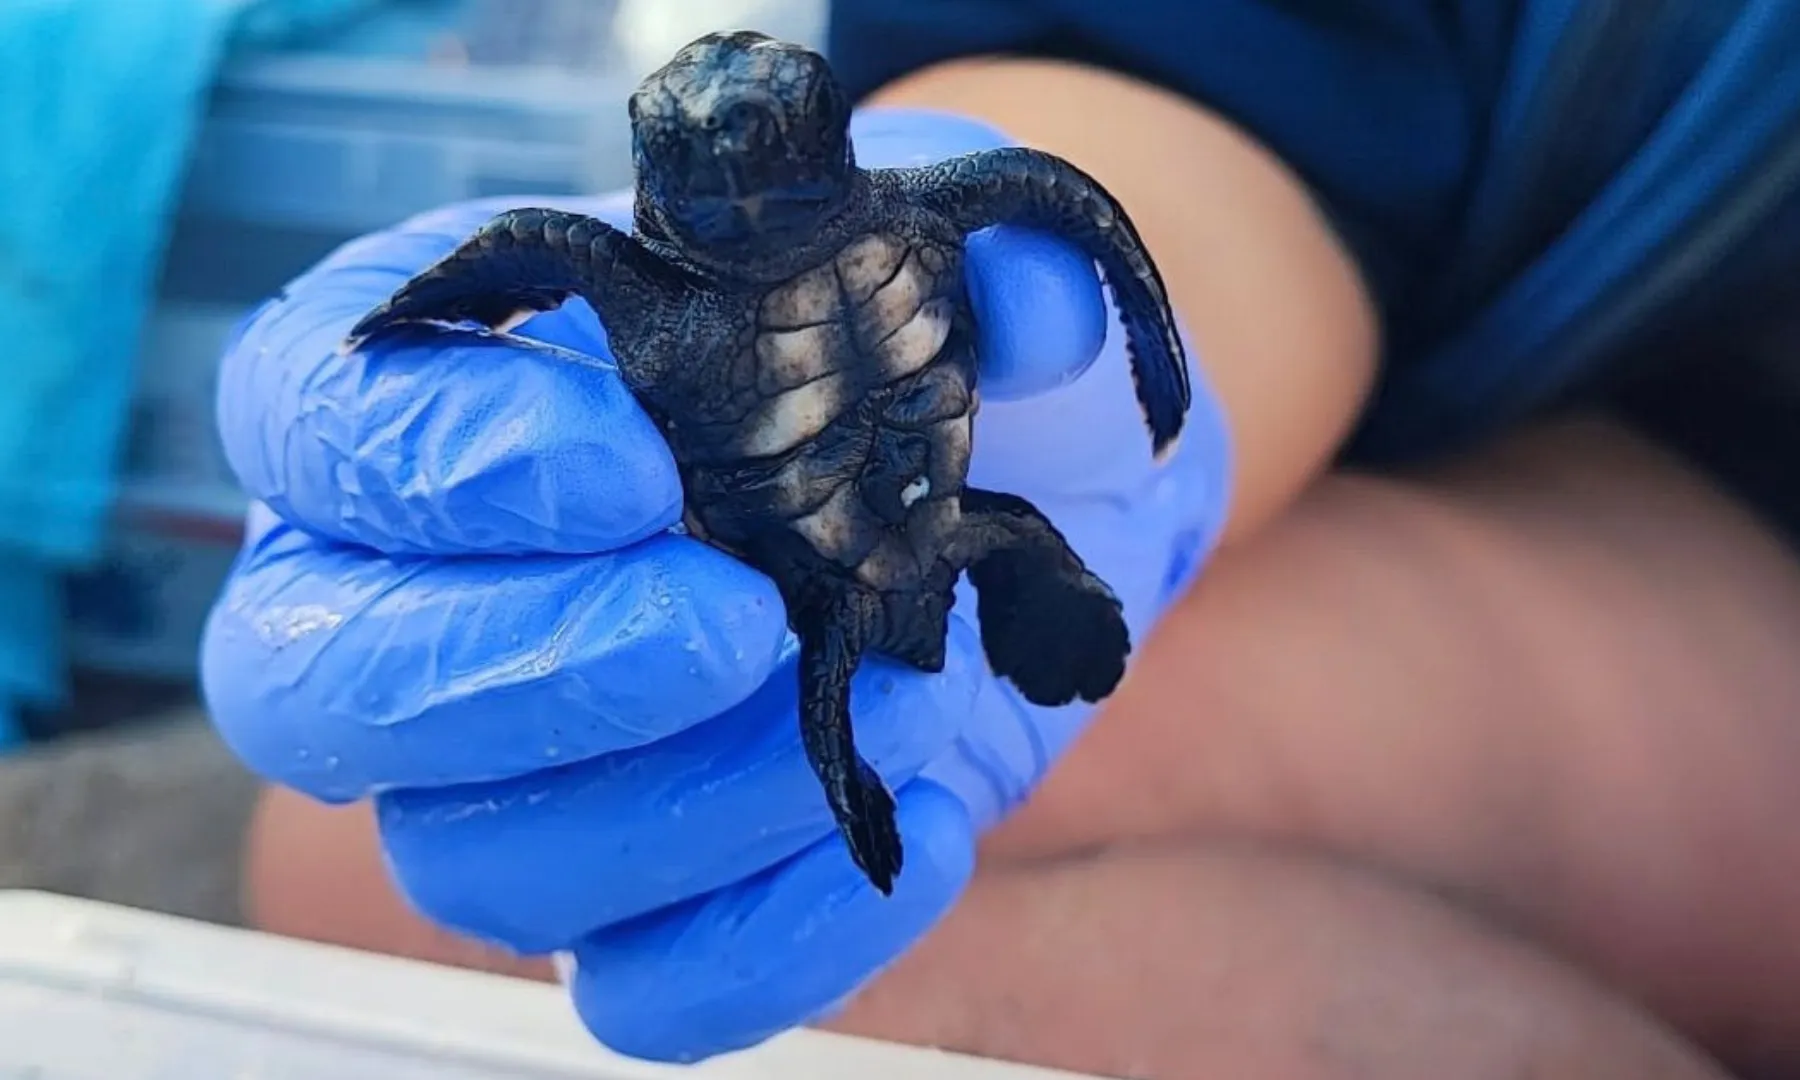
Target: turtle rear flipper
{"x": 833, "y": 634}
{"x": 1048, "y": 624}
{"x": 521, "y": 263}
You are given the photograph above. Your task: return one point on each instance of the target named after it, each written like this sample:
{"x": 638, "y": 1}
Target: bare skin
{"x": 1479, "y": 772}
{"x": 1281, "y": 966}
{"x": 1482, "y": 686}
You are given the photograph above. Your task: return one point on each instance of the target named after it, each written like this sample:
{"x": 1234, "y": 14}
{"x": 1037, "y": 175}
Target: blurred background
{"x": 267, "y": 132}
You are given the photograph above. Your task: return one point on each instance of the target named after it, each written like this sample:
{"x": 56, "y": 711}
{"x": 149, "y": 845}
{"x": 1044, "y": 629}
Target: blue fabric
{"x": 29, "y": 672}
{"x": 1536, "y": 189}
{"x": 99, "y": 101}
{"x": 589, "y": 744}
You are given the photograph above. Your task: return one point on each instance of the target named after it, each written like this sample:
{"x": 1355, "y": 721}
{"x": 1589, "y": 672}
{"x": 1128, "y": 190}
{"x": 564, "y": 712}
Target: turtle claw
{"x": 377, "y": 322}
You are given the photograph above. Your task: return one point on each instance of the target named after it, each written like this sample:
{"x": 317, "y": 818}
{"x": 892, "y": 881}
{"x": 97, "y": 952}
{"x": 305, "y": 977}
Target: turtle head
{"x": 742, "y": 144}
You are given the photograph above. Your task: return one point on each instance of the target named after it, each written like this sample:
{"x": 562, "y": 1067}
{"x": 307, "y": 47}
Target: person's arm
{"x": 1282, "y": 322}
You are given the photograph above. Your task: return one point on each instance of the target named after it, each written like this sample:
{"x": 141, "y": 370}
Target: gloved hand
{"x": 459, "y": 595}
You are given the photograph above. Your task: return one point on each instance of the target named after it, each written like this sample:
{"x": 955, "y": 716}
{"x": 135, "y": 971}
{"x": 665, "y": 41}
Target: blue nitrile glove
{"x": 460, "y": 595}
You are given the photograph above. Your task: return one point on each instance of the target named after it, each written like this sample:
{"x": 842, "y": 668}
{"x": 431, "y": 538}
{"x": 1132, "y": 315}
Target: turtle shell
{"x": 854, "y": 396}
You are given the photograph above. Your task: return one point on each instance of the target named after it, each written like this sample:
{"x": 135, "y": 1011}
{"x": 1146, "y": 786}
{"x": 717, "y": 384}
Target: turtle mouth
{"x": 756, "y": 213}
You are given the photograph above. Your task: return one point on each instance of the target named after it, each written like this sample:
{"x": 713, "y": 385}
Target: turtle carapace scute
{"x": 800, "y": 330}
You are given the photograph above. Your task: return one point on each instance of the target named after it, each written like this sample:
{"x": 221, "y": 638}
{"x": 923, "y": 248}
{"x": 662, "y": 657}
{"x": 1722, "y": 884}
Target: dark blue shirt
{"x": 1555, "y": 201}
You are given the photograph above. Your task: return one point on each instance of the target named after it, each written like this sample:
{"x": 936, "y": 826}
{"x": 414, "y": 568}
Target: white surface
{"x": 94, "y": 992}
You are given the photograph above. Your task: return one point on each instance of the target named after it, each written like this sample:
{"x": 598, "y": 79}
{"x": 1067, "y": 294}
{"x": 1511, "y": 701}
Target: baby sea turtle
{"x": 800, "y": 330}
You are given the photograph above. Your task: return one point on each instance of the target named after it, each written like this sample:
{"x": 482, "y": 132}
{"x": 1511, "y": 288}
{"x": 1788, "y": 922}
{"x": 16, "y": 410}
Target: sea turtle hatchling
{"x": 800, "y": 330}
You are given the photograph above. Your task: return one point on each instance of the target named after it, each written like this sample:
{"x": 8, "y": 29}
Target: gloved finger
{"x": 338, "y": 672}
{"x": 1088, "y": 439}
{"x": 732, "y": 969}
{"x": 438, "y": 442}
{"x": 1038, "y": 304}
{"x": 536, "y": 862}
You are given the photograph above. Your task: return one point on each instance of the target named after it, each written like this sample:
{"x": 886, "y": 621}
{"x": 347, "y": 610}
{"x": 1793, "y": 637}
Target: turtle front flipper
{"x": 520, "y": 263}
{"x": 1048, "y": 624}
{"x": 1032, "y": 189}
{"x": 833, "y": 633}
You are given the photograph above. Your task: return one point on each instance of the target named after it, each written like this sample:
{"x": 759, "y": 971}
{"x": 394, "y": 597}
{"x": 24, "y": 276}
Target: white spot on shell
{"x": 913, "y": 492}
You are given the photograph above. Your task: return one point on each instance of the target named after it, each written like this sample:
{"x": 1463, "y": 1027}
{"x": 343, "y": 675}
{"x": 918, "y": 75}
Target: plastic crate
{"x": 91, "y": 990}
{"x": 422, "y": 104}
{"x": 142, "y": 609}
{"x": 425, "y": 102}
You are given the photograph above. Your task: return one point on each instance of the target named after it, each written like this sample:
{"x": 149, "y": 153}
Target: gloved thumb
{"x": 1038, "y": 305}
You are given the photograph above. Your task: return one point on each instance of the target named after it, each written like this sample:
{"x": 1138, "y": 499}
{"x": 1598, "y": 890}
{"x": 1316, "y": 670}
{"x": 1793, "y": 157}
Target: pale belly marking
{"x": 800, "y": 340}
{"x": 894, "y": 321}
{"x": 786, "y": 359}
{"x": 807, "y": 300}
{"x": 874, "y": 307}
{"x": 794, "y": 416}
{"x": 869, "y": 263}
